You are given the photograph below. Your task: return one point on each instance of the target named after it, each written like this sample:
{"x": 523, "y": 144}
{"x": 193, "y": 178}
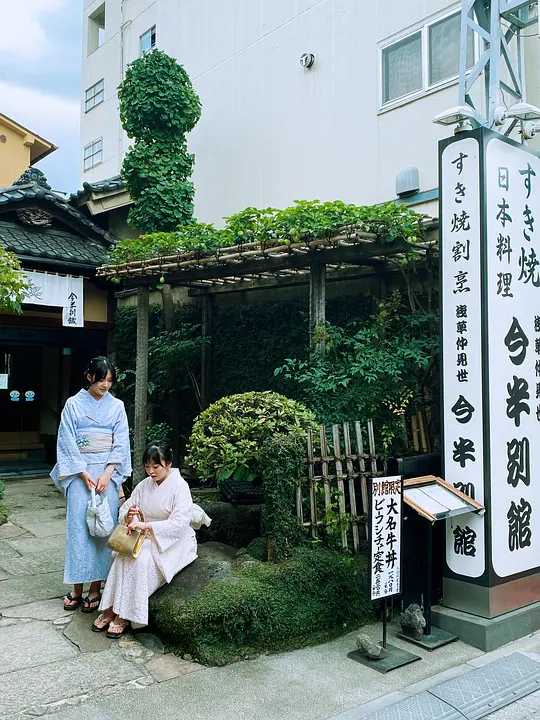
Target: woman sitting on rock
{"x": 165, "y": 500}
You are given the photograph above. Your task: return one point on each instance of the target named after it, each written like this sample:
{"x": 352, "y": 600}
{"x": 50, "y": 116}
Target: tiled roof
{"x": 51, "y": 244}
{"x": 102, "y": 186}
{"x": 23, "y": 195}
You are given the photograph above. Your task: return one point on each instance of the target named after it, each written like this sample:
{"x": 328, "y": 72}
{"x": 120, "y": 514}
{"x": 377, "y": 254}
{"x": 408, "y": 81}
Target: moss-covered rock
{"x": 315, "y": 595}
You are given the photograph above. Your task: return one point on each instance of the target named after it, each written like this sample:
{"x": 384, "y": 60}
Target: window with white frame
{"x": 444, "y": 41}
{"x": 423, "y": 59}
{"x": 94, "y": 95}
{"x": 147, "y": 41}
{"x": 93, "y": 154}
{"x": 402, "y": 67}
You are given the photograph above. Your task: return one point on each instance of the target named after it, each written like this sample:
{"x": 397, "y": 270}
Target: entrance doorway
{"x": 20, "y": 401}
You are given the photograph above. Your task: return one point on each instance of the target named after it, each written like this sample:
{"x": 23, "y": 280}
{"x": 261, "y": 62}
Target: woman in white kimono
{"x": 92, "y": 452}
{"x": 165, "y": 500}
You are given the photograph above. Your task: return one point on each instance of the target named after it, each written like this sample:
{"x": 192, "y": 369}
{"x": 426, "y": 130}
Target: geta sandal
{"x": 123, "y": 630}
{"x": 102, "y": 622}
{"x": 90, "y": 604}
{"x": 77, "y": 599}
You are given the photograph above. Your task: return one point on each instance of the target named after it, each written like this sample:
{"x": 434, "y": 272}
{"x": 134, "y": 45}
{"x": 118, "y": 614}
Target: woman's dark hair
{"x": 158, "y": 454}
{"x": 98, "y": 368}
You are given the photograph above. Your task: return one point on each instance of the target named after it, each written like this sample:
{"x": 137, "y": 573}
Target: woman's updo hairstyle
{"x": 157, "y": 454}
{"x": 98, "y": 368}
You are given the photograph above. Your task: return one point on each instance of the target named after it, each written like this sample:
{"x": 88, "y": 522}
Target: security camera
{"x": 307, "y": 60}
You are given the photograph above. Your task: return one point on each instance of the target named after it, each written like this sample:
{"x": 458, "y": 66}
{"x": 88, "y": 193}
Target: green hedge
{"x": 315, "y": 595}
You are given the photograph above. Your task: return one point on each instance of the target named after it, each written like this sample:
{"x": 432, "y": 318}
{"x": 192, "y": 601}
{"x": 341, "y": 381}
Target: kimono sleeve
{"x": 69, "y": 460}
{"x": 167, "y": 532}
{"x": 120, "y": 454}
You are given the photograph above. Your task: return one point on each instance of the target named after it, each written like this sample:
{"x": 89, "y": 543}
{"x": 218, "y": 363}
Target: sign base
{"x": 436, "y": 639}
{"x": 397, "y": 657}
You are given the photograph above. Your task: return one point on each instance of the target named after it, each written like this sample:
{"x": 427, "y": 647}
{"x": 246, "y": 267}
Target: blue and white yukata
{"x": 92, "y": 434}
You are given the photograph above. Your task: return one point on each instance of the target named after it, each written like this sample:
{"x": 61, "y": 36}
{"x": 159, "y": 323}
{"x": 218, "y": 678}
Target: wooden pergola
{"x": 246, "y": 266}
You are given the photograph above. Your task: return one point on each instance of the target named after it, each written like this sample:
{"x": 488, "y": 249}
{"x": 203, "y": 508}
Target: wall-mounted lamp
{"x": 307, "y": 60}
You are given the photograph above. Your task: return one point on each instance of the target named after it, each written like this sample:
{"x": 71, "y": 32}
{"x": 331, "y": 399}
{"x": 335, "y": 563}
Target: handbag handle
{"x": 140, "y": 513}
{"x": 93, "y": 497}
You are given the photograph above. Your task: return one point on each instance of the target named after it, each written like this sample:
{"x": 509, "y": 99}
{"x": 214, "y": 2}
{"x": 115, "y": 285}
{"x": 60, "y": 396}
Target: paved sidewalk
{"x": 53, "y": 665}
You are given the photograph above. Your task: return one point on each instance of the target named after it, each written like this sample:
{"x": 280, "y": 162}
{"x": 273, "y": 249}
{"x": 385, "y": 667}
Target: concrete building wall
{"x": 272, "y": 132}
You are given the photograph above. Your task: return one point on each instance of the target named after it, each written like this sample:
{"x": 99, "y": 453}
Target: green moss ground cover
{"x": 315, "y": 595}
{"x": 3, "y": 508}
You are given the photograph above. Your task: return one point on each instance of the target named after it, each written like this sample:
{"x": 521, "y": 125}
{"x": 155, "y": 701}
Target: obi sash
{"x": 95, "y": 442}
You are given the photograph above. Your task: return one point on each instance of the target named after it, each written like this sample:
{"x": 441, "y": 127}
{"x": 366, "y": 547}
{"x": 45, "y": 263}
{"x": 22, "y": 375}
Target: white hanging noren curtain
{"x": 65, "y": 291}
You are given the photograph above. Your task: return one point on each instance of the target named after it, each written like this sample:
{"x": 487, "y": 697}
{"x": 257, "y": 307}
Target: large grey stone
{"x": 7, "y": 551}
{"x": 56, "y": 681}
{"x": 235, "y": 525}
{"x": 167, "y": 667}
{"x": 31, "y": 644}
{"x": 9, "y": 530}
{"x": 40, "y": 523}
{"x": 39, "y": 610}
{"x": 28, "y": 588}
{"x": 30, "y": 545}
{"x": 40, "y": 562}
{"x": 79, "y": 632}
{"x": 215, "y": 562}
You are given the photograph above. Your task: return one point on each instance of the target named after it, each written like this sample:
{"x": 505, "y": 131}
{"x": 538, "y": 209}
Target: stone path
{"x": 50, "y": 658}
{"x": 52, "y": 665}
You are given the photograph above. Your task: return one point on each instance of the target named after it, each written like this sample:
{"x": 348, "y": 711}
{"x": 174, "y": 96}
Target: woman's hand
{"x": 136, "y": 525}
{"x": 133, "y": 510}
{"x": 85, "y": 477}
{"x": 104, "y": 479}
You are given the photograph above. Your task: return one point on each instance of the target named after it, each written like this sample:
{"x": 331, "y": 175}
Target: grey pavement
{"x": 53, "y": 665}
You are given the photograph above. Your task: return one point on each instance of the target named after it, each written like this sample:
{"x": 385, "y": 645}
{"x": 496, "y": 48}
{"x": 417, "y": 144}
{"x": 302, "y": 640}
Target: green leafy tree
{"x": 158, "y": 106}
{"x": 13, "y": 285}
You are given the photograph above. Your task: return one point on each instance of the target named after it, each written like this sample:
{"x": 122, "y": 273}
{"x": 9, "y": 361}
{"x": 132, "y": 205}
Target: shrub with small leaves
{"x": 13, "y": 285}
{"x": 226, "y": 438}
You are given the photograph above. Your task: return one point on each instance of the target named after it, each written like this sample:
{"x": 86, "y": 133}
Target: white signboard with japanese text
{"x": 513, "y": 311}
{"x": 52, "y": 290}
{"x": 462, "y": 343}
{"x": 385, "y": 525}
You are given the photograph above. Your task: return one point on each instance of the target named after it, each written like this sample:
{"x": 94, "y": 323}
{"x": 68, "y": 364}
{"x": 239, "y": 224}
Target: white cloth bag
{"x": 199, "y": 518}
{"x": 98, "y": 516}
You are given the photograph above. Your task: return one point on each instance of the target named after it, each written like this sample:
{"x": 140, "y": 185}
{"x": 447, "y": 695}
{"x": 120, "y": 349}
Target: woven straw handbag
{"x": 127, "y": 544}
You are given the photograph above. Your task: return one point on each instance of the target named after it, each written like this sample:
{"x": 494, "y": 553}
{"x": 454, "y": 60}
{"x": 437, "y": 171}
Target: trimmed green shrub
{"x": 313, "y": 596}
{"x": 282, "y": 463}
{"x": 227, "y": 436}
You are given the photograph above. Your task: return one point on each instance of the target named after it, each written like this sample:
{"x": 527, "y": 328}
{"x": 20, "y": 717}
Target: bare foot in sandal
{"x": 102, "y": 622}
{"x": 118, "y": 627}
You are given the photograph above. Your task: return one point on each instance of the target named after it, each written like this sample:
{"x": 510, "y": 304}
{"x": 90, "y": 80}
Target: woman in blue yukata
{"x": 92, "y": 452}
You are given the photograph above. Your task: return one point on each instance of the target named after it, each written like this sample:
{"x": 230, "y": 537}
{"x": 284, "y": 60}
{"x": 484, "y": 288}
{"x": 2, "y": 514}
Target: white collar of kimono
{"x": 174, "y": 474}
{"x": 89, "y": 394}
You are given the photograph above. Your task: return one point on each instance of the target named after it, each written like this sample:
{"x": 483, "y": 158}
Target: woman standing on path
{"x": 165, "y": 500}
{"x": 92, "y": 452}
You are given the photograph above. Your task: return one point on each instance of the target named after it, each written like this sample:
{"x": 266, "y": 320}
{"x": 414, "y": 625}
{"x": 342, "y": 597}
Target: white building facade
{"x": 273, "y": 130}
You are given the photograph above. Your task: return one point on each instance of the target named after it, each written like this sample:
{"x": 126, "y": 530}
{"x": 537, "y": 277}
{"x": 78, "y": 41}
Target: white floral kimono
{"x": 171, "y": 546}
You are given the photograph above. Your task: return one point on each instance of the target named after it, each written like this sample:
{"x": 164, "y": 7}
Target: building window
{"x": 96, "y": 29}
{"x": 93, "y": 154}
{"x": 147, "y": 41}
{"x": 94, "y": 96}
{"x": 444, "y": 41}
{"x": 402, "y": 67}
{"x": 424, "y": 59}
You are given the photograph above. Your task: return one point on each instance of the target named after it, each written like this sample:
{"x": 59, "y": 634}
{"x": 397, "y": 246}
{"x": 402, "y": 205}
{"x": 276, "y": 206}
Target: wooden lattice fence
{"x": 332, "y": 497}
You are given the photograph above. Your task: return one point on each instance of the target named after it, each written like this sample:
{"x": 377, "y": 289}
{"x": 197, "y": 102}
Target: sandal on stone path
{"x": 76, "y": 600}
{"x": 90, "y": 604}
{"x": 102, "y": 622}
{"x": 122, "y": 627}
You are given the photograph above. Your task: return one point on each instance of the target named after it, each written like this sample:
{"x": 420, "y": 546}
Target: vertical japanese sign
{"x": 385, "y": 526}
{"x": 513, "y": 310}
{"x": 462, "y": 348}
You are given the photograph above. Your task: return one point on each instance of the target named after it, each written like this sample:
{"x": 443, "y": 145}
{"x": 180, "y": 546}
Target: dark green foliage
{"x": 311, "y": 597}
{"x": 305, "y": 220}
{"x": 3, "y": 508}
{"x": 226, "y": 437}
{"x": 157, "y": 99}
{"x": 282, "y": 463}
{"x": 376, "y": 369}
{"x": 158, "y": 106}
